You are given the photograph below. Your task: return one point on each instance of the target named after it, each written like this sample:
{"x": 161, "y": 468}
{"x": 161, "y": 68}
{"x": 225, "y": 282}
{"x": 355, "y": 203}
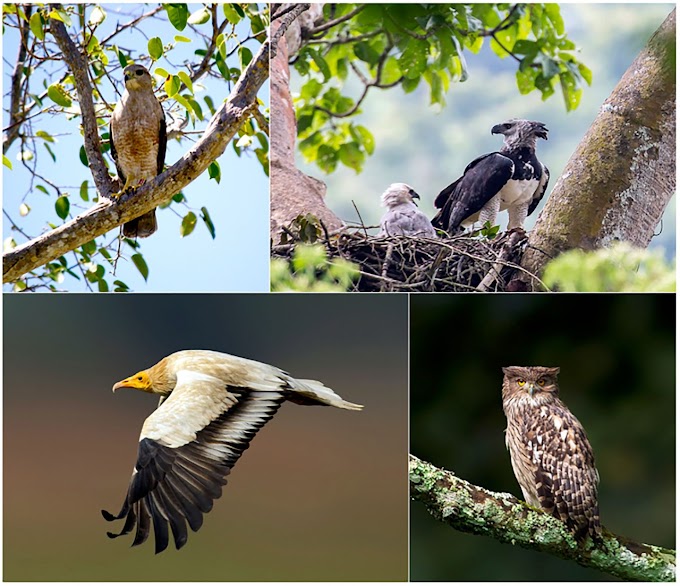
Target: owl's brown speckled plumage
{"x": 550, "y": 453}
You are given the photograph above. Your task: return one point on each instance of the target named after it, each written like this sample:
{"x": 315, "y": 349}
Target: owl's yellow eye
{"x": 521, "y": 382}
{"x": 540, "y": 382}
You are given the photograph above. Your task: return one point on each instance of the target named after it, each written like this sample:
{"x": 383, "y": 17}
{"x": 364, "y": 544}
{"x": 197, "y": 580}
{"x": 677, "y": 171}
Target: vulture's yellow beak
{"x": 139, "y": 381}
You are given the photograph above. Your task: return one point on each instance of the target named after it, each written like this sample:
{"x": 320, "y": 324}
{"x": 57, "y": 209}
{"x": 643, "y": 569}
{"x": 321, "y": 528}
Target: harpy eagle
{"x": 211, "y": 407}
{"x": 138, "y": 141}
{"x": 511, "y": 179}
{"x": 403, "y": 218}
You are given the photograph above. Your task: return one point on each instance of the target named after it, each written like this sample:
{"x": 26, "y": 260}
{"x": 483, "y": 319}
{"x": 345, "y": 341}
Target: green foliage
{"x": 311, "y": 270}
{"x": 388, "y": 45}
{"x": 618, "y": 268}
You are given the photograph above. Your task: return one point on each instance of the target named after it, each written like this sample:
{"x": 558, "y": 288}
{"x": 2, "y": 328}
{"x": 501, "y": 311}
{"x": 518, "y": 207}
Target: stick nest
{"x": 409, "y": 263}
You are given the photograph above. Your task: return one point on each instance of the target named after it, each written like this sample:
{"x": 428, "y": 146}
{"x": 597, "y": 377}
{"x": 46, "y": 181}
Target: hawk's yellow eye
{"x": 521, "y": 382}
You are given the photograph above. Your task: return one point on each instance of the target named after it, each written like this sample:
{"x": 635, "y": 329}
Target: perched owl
{"x": 550, "y": 453}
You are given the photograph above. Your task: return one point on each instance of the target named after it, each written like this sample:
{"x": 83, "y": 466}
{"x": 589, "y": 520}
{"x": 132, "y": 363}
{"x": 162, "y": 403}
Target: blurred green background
{"x": 320, "y": 495}
{"x": 617, "y": 359}
{"x": 429, "y": 147}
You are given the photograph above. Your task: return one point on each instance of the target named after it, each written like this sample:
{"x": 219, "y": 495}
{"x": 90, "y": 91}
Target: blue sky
{"x": 236, "y": 260}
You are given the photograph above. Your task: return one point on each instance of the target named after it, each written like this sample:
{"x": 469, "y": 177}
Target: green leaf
{"x": 59, "y": 95}
{"x": 178, "y": 14}
{"x": 89, "y": 248}
{"x": 321, "y": 64}
{"x": 549, "y": 66}
{"x": 363, "y": 136}
{"x": 84, "y": 193}
{"x": 186, "y": 80}
{"x": 6, "y": 162}
{"x": 525, "y": 80}
{"x": 121, "y": 287}
{"x": 61, "y": 16}
{"x": 205, "y": 216}
{"x": 172, "y": 85}
{"x": 62, "y": 207}
{"x": 36, "y": 24}
{"x": 586, "y": 73}
{"x": 44, "y": 135}
{"x": 83, "y": 156}
{"x": 413, "y": 60}
{"x": 181, "y": 39}
{"x": 351, "y": 156}
{"x": 188, "y": 224}
{"x": 214, "y": 171}
{"x": 365, "y": 52}
{"x": 102, "y": 286}
{"x": 155, "y": 47}
{"x": 43, "y": 189}
{"x": 49, "y": 150}
{"x": 245, "y": 56}
{"x": 140, "y": 263}
{"x": 24, "y": 210}
{"x": 231, "y": 14}
{"x": 199, "y": 17}
{"x": 553, "y": 13}
{"x": 570, "y": 91}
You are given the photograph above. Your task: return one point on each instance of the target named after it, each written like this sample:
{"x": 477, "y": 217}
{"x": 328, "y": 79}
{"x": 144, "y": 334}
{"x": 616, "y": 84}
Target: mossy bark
{"x": 621, "y": 177}
{"x": 292, "y": 192}
{"x": 472, "y": 509}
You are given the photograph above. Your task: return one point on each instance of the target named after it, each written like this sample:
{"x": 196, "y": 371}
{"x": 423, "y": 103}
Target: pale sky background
{"x": 236, "y": 260}
{"x": 429, "y": 147}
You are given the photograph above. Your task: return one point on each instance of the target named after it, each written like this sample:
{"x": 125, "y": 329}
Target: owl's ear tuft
{"x": 553, "y": 371}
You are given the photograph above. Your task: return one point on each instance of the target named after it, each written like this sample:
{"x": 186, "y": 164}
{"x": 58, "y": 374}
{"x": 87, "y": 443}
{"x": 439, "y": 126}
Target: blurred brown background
{"x": 320, "y": 495}
{"x": 617, "y": 359}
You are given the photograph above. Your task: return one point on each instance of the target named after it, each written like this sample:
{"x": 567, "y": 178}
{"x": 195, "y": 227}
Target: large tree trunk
{"x": 293, "y": 193}
{"x": 617, "y": 184}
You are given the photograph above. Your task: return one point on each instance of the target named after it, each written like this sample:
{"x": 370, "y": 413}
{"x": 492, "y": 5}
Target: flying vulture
{"x": 211, "y": 407}
{"x": 511, "y": 179}
{"x": 403, "y": 218}
{"x": 138, "y": 141}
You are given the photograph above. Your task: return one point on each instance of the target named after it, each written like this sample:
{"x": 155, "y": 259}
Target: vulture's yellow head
{"x": 140, "y": 381}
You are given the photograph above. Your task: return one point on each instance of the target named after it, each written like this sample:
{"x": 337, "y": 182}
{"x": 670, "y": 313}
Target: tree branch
{"x": 78, "y": 65}
{"x": 108, "y": 214}
{"x": 472, "y": 509}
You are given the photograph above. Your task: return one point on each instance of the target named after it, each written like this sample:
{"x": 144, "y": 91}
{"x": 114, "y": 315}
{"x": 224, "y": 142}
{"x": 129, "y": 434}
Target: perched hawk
{"x": 403, "y": 218}
{"x": 550, "y": 453}
{"x": 511, "y": 179}
{"x": 138, "y": 141}
{"x": 211, "y": 407}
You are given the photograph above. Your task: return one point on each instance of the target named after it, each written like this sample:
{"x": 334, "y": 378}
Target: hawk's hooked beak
{"x": 540, "y": 130}
{"x": 414, "y": 195}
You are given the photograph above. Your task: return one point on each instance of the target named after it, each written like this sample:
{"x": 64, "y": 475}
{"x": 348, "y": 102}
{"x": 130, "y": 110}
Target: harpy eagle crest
{"x": 403, "y": 218}
{"x": 511, "y": 179}
{"x": 138, "y": 141}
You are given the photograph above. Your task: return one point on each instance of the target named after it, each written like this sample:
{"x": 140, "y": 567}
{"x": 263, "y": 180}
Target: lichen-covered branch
{"x": 472, "y": 509}
{"x": 621, "y": 177}
{"x": 107, "y": 215}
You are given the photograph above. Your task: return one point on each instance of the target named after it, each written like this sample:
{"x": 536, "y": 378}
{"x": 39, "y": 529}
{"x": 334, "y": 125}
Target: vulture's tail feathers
{"x": 312, "y": 392}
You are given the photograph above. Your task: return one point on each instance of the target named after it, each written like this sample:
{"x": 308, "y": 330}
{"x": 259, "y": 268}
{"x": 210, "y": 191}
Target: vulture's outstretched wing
{"x": 187, "y": 448}
{"x": 482, "y": 180}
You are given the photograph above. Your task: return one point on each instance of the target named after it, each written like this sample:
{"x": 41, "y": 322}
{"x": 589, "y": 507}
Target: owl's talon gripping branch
{"x": 138, "y": 142}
